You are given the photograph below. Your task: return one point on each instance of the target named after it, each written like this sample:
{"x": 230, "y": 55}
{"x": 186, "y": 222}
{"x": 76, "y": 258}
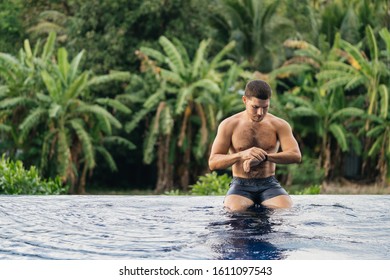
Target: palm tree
{"x": 380, "y": 133}
{"x": 310, "y": 99}
{"x": 359, "y": 71}
{"x": 356, "y": 69}
{"x": 73, "y": 127}
{"x": 256, "y": 26}
{"x": 183, "y": 105}
{"x": 21, "y": 83}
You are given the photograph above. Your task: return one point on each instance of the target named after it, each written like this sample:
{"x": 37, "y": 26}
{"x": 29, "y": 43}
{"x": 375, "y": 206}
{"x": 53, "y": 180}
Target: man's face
{"x": 256, "y": 108}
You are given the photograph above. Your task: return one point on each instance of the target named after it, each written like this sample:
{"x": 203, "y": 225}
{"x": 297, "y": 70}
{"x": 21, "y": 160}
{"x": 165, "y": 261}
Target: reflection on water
{"x": 188, "y": 227}
{"x": 245, "y": 237}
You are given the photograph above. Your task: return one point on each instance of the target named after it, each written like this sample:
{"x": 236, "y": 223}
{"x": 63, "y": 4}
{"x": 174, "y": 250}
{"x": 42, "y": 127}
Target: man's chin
{"x": 257, "y": 119}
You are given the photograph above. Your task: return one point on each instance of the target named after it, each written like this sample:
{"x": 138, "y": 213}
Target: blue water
{"x": 190, "y": 227}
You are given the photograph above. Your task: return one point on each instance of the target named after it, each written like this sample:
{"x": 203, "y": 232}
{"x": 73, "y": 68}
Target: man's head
{"x": 258, "y": 89}
{"x": 257, "y": 99}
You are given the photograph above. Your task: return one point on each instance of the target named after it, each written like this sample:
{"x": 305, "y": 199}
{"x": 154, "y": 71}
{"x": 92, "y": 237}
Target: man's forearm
{"x": 285, "y": 157}
{"x": 220, "y": 161}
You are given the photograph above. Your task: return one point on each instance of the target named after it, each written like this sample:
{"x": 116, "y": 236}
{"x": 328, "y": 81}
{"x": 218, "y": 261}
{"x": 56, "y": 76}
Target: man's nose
{"x": 260, "y": 111}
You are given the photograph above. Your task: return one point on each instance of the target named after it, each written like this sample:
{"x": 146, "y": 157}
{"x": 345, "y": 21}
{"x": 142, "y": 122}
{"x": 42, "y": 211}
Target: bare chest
{"x": 261, "y": 135}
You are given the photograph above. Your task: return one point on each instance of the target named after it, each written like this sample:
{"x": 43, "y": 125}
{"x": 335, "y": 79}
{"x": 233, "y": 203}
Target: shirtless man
{"x": 253, "y": 142}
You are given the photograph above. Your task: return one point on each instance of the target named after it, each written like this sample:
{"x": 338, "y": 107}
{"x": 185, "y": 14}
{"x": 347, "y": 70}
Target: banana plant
{"x": 256, "y": 26}
{"x": 21, "y": 81}
{"x": 71, "y": 125}
{"x": 184, "y": 105}
{"x": 330, "y": 115}
{"x": 355, "y": 69}
{"x": 76, "y": 127}
{"x": 370, "y": 72}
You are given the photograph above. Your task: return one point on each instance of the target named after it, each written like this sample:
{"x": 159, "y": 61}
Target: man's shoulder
{"x": 228, "y": 124}
{"x": 277, "y": 120}
{"x": 232, "y": 119}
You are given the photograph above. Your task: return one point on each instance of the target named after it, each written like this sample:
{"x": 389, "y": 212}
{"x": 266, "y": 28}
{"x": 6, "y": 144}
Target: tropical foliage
{"x": 62, "y": 105}
{"x": 58, "y": 111}
{"x": 211, "y": 184}
{"x": 16, "y": 179}
{"x": 185, "y": 105}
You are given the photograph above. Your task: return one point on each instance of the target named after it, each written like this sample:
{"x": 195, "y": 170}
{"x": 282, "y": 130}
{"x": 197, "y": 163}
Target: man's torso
{"x": 247, "y": 134}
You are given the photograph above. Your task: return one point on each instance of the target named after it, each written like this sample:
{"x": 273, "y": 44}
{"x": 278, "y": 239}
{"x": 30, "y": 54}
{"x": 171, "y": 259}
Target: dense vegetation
{"x": 129, "y": 93}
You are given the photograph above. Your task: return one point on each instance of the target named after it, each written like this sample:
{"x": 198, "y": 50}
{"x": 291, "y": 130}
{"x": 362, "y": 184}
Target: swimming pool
{"x": 192, "y": 227}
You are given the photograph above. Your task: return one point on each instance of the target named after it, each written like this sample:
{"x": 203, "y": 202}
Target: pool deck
{"x": 344, "y": 186}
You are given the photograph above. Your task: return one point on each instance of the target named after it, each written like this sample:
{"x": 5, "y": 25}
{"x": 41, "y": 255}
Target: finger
{"x": 246, "y": 166}
{"x": 257, "y": 156}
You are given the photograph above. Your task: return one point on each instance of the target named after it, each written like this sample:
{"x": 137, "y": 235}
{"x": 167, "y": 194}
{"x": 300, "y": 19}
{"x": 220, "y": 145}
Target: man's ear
{"x": 244, "y": 99}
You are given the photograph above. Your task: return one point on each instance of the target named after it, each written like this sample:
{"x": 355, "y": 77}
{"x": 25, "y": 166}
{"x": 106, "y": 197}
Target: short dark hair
{"x": 258, "y": 89}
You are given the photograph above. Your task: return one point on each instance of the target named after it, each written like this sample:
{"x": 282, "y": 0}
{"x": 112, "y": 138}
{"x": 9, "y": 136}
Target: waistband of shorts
{"x": 253, "y": 180}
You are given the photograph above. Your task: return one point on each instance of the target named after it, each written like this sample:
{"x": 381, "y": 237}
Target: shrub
{"x": 211, "y": 184}
{"x": 314, "y": 189}
{"x": 15, "y": 179}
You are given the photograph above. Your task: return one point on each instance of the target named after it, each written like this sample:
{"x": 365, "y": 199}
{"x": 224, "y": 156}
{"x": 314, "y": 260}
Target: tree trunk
{"x": 382, "y": 167}
{"x": 82, "y": 181}
{"x": 185, "y": 166}
{"x": 327, "y": 160}
{"x": 164, "y": 167}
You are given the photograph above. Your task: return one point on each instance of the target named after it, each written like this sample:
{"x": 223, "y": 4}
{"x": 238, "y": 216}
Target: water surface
{"x": 192, "y": 227}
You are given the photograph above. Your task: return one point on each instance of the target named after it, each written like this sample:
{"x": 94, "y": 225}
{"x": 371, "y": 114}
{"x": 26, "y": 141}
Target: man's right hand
{"x": 253, "y": 152}
{"x": 250, "y": 163}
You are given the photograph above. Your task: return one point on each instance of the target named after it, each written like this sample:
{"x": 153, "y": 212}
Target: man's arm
{"x": 290, "y": 150}
{"x": 219, "y": 157}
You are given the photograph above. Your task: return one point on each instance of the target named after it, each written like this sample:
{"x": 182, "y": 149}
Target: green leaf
{"x": 115, "y": 104}
{"x": 49, "y": 46}
{"x": 356, "y": 54}
{"x": 175, "y": 60}
{"x": 120, "y": 141}
{"x": 140, "y": 115}
{"x": 375, "y": 131}
{"x": 166, "y": 121}
{"x": 13, "y": 102}
{"x": 113, "y": 76}
{"x": 199, "y": 57}
{"x": 86, "y": 142}
{"x": 51, "y": 85}
{"x": 4, "y": 90}
{"x": 372, "y": 43}
{"x": 340, "y": 135}
{"x": 108, "y": 157}
{"x": 182, "y": 100}
{"x": 207, "y": 85}
{"x": 226, "y": 49}
{"x": 154, "y": 99}
{"x": 74, "y": 66}
{"x": 10, "y": 60}
{"x": 63, "y": 63}
{"x": 27, "y": 49}
{"x": 304, "y": 112}
{"x": 77, "y": 87}
{"x": 150, "y": 142}
{"x": 375, "y": 148}
{"x": 54, "y": 109}
{"x": 154, "y": 54}
{"x": 347, "y": 112}
{"x": 384, "y": 94}
{"x": 97, "y": 110}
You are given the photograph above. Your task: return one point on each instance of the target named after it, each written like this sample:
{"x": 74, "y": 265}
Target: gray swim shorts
{"x": 256, "y": 189}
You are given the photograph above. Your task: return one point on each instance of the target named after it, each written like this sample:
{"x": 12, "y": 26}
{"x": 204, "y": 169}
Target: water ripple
{"x": 164, "y": 227}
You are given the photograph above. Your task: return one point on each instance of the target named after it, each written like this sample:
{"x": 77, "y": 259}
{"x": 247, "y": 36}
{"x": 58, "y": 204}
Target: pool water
{"x": 354, "y": 227}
